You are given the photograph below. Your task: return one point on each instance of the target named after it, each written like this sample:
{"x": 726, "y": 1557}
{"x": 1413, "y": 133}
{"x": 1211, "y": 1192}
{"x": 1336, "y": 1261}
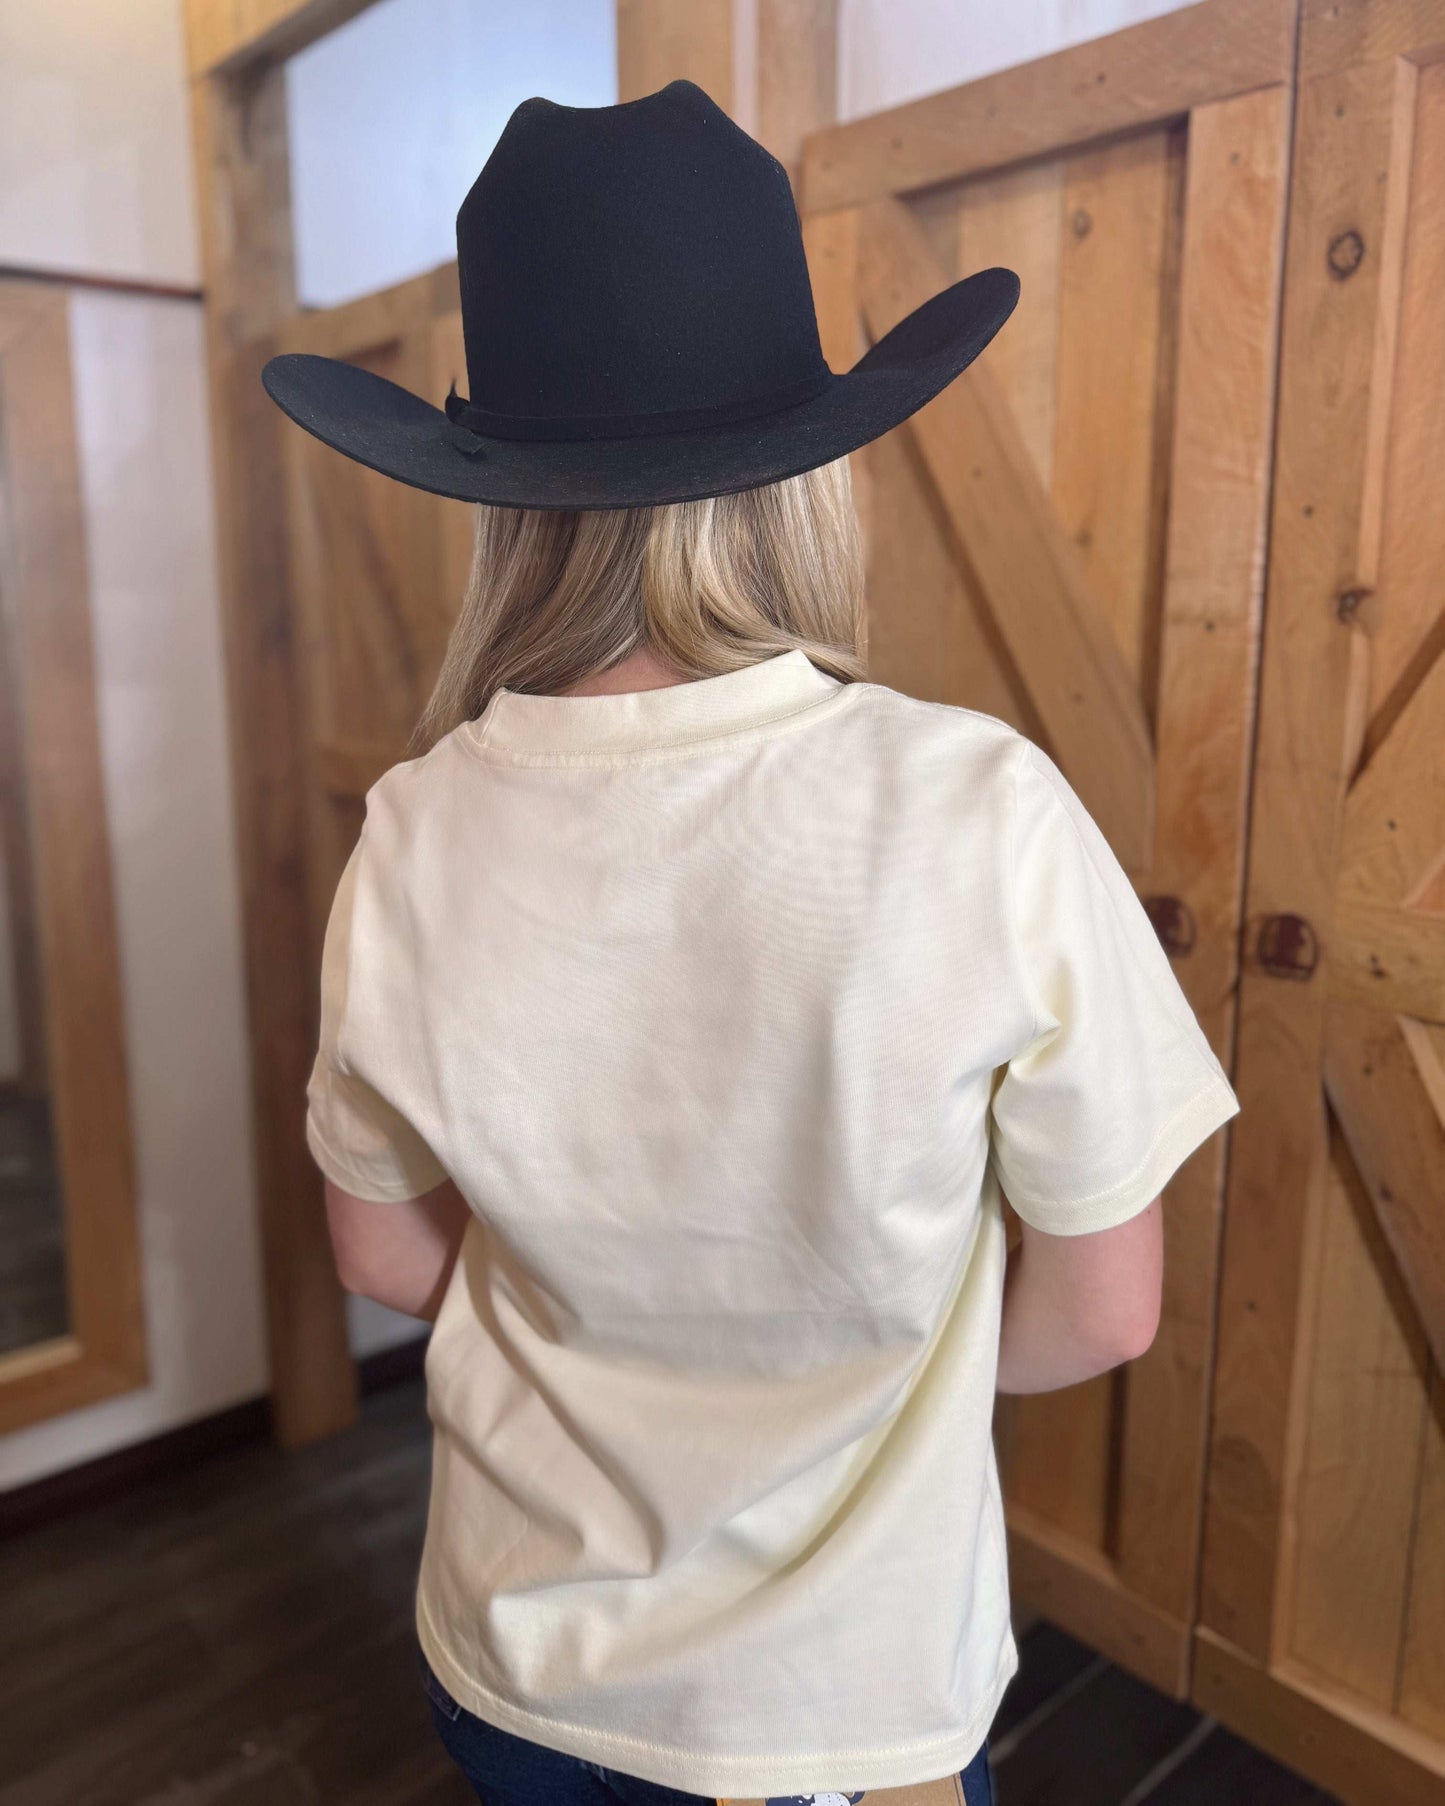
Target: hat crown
{"x": 633, "y": 267}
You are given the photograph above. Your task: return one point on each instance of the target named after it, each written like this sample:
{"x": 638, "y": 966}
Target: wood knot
{"x": 1172, "y": 921}
{"x": 1345, "y": 254}
{"x": 1287, "y": 947}
{"x": 1082, "y": 222}
{"x": 1348, "y": 602}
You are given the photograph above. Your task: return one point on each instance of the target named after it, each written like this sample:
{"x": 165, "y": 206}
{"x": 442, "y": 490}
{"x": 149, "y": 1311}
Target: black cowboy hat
{"x": 639, "y": 326}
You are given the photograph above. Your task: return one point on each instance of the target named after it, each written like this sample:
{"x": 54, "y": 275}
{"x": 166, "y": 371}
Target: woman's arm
{"x": 401, "y": 1255}
{"x": 1076, "y": 1305}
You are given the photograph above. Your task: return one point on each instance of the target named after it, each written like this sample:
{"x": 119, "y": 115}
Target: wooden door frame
{"x": 1226, "y": 67}
{"x": 45, "y": 580}
{"x": 772, "y": 64}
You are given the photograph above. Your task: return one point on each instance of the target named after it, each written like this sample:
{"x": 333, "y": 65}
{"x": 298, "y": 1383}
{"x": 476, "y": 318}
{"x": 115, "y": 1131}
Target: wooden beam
{"x": 1138, "y": 77}
{"x": 659, "y": 41}
{"x": 226, "y": 35}
{"x": 1236, "y": 178}
{"x": 241, "y": 161}
{"x": 1393, "y": 1126}
{"x": 1026, "y": 567}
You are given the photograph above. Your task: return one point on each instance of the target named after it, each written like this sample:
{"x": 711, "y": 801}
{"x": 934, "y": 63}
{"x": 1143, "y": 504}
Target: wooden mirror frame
{"x": 44, "y": 605}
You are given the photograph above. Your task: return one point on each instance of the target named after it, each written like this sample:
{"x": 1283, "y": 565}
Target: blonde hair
{"x": 708, "y": 586}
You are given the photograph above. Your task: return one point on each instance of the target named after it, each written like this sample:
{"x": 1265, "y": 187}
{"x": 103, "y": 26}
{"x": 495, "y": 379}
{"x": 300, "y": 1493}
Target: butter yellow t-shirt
{"x": 728, "y": 1007}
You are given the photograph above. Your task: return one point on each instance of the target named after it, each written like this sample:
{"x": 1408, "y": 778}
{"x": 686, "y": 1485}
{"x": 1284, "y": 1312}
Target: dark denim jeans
{"x": 506, "y": 1770}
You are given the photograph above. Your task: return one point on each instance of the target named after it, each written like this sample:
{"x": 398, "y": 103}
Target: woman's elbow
{"x": 1125, "y": 1331}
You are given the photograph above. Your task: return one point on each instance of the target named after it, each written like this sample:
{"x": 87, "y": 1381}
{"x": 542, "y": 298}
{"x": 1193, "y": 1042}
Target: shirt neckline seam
{"x": 656, "y": 751}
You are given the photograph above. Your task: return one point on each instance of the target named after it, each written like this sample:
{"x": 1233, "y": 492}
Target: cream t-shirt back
{"x": 727, "y": 1007}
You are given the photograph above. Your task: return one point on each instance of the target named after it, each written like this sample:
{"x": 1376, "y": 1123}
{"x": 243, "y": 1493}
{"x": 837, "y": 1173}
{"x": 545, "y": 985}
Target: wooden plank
{"x": 1145, "y": 75}
{"x": 1063, "y": 1458}
{"x": 1024, "y": 563}
{"x": 1391, "y": 958}
{"x": 1342, "y": 33}
{"x": 229, "y": 34}
{"x": 45, "y": 583}
{"x": 1397, "y": 1138}
{"x": 1347, "y": 145}
{"x": 241, "y": 166}
{"x": 659, "y": 41}
{"x": 795, "y": 73}
{"x": 1404, "y": 614}
{"x": 1393, "y": 835}
{"x": 831, "y": 243}
{"x": 1356, "y": 1488}
{"x": 1015, "y": 219}
{"x": 1121, "y": 205}
{"x": 1421, "y": 1698}
{"x": 1362, "y": 1756}
{"x": 1075, "y": 1587}
{"x": 1219, "y": 479}
{"x": 928, "y": 633}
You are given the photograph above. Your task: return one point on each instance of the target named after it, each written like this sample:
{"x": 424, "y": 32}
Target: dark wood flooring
{"x": 240, "y": 1635}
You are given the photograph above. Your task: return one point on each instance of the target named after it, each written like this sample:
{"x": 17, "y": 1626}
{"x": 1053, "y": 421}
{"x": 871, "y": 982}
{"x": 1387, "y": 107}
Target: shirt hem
{"x": 1206, "y": 1110}
{"x": 719, "y": 1777}
{"x": 372, "y": 1191}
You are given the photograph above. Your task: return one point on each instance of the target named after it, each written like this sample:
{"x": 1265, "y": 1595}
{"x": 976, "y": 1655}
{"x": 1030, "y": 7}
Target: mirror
{"x": 72, "y": 1326}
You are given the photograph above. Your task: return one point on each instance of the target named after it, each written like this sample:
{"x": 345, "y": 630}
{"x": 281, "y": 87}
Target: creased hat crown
{"x": 632, "y": 268}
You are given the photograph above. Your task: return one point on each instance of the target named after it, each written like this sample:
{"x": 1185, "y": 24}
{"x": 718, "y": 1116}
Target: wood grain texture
{"x": 1219, "y": 484}
{"x": 46, "y": 585}
{"x": 659, "y": 41}
{"x": 1355, "y": 1492}
{"x": 1015, "y": 219}
{"x": 1121, "y": 207}
{"x": 231, "y": 34}
{"x": 1365, "y": 1757}
{"x": 1347, "y": 139}
{"x": 1145, "y": 75}
{"x": 1073, "y": 1584}
{"x": 1023, "y": 562}
{"x": 1394, "y": 1129}
{"x": 241, "y": 162}
{"x": 1421, "y": 1695}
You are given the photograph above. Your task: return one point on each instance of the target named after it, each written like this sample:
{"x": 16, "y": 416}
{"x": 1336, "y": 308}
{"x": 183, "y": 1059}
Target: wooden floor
{"x": 242, "y": 1637}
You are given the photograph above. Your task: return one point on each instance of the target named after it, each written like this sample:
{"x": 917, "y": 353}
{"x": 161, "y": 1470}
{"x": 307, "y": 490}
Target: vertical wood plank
{"x": 1120, "y": 201}
{"x": 1362, "y": 1443}
{"x": 1404, "y": 618}
{"x": 242, "y": 175}
{"x": 1341, "y": 288}
{"x": 659, "y": 41}
{"x": 1014, "y": 219}
{"x": 1219, "y": 484}
{"x": 1421, "y": 1698}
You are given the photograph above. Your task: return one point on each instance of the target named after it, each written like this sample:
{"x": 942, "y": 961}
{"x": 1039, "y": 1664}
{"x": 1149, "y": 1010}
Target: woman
{"x": 687, "y": 1006}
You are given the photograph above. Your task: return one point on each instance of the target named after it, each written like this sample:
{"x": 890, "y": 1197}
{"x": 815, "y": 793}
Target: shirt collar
{"x": 677, "y": 715}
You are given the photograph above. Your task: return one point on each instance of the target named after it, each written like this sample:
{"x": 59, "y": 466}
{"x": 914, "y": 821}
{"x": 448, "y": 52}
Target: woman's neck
{"x": 640, "y": 670}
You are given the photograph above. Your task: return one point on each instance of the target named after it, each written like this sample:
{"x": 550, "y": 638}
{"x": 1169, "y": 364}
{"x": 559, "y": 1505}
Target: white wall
{"x": 890, "y": 51}
{"x": 391, "y": 118}
{"x": 95, "y": 155}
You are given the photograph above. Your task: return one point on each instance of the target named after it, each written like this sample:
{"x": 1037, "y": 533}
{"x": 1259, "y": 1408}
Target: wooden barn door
{"x": 1071, "y": 538}
{"x": 377, "y": 569}
{"x": 1323, "y": 1597}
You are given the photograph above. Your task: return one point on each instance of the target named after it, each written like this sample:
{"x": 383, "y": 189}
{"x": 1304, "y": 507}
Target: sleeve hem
{"x": 374, "y": 1191}
{"x": 1207, "y": 1110}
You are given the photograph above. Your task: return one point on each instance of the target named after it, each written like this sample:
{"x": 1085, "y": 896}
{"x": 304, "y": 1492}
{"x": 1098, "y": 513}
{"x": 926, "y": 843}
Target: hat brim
{"x": 389, "y": 429}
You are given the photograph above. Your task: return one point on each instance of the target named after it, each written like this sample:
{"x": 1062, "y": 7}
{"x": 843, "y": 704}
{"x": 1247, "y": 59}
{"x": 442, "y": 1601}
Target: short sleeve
{"x": 357, "y": 1138}
{"x": 1118, "y": 1084}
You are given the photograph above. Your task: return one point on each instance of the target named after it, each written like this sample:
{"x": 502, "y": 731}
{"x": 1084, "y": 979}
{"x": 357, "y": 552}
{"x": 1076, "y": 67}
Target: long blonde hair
{"x": 708, "y": 586}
